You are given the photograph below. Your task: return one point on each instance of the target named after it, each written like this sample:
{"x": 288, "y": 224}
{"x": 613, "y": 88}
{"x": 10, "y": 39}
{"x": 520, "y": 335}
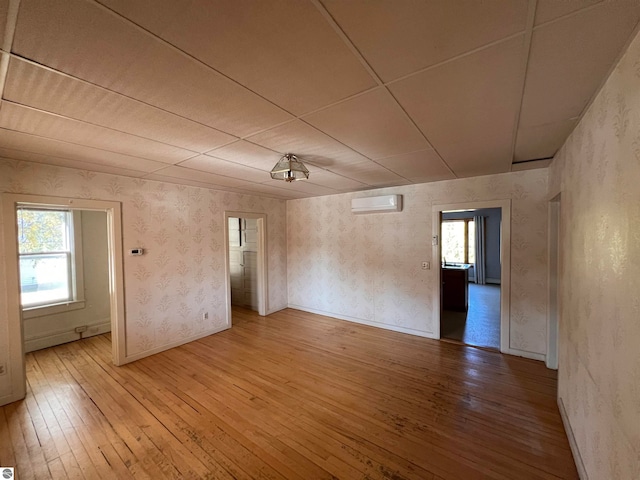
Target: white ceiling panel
{"x": 4, "y": 9}
{"x": 175, "y": 171}
{"x": 310, "y": 189}
{"x": 209, "y": 164}
{"x": 248, "y": 154}
{"x": 65, "y": 162}
{"x": 419, "y": 167}
{"x": 398, "y": 38}
{"x": 55, "y": 148}
{"x": 560, "y": 81}
{"x": 372, "y": 123}
{"x": 308, "y": 143}
{"x": 132, "y": 62}
{"x": 49, "y": 125}
{"x": 367, "y": 93}
{"x": 329, "y": 179}
{"x": 283, "y": 50}
{"x": 370, "y": 173}
{"x": 547, "y": 10}
{"x": 542, "y": 141}
{"x": 467, "y": 107}
{"x": 275, "y": 192}
{"x": 39, "y": 87}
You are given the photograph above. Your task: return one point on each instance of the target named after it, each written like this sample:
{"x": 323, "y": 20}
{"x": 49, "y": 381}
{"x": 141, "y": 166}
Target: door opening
{"x": 553, "y": 320}
{"x": 472, "y": 246}
{"x": 16, "y": 277}
{"x": 246, "y": 262}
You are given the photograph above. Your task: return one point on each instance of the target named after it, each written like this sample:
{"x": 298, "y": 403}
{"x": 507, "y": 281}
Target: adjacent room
{"x": 309, "y": 239}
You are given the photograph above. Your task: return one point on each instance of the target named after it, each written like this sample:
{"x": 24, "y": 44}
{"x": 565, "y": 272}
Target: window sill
{"x": 44, "y": 310}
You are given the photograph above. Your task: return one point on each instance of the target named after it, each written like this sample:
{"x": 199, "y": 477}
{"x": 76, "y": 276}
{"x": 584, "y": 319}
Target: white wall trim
{"x": 276, "y": 309}
{"x": 577, "y": 458}
{"x": 153, "y": 351}
{"x": 523, "y": 353}
{"x": 10, "y": 201}
{"x": 362, "y": 321}
{"x": 505, "y": 268}
{"x": 64, "y": 335}
{"x": 263, "y": 282}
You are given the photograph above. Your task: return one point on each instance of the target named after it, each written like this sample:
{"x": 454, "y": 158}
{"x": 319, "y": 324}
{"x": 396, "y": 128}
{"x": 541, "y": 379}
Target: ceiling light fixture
{"x": 289, "y": 169}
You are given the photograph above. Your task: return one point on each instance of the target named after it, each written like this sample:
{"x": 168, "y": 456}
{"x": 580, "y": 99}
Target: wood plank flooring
{"x": 289, "y": 396}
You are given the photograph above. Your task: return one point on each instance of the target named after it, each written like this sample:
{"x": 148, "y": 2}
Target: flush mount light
{"x": 289, "y": 168}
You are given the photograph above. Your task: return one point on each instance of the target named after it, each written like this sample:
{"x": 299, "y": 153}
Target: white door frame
{"x": 505, "y": 262}
{"x": 10, "y": 203}
{"x": 263, "y": 287}
{"x": 553, "y": 303}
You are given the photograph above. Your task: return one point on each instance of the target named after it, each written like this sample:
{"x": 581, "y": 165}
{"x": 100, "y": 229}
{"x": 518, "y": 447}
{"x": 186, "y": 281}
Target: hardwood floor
{"x": 289, "y": 396}
{"x": 480, "y": 325}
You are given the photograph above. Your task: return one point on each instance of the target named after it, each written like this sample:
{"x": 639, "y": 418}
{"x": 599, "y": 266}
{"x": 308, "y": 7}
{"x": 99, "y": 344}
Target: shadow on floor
{"x": 480, "y": 326}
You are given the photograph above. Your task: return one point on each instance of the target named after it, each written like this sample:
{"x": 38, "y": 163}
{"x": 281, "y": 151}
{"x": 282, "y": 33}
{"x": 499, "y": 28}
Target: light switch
{"x": 426, "y": 265}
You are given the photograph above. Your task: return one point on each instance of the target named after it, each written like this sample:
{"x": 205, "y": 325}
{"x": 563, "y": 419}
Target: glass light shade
{"x": 289, "y": 169}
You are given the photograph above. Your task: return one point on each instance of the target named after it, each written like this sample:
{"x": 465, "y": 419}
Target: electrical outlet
{"x": 205, "y": 316}
{"x": 3, "y": 368}
{"x": 81, "y": 329}
{"x": 426, "y": 265}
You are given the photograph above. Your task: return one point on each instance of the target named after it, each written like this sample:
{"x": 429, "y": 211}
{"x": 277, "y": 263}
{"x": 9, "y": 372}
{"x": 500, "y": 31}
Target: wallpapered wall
{"x": 367, "y": 267}
{"x": 597, "y": 172}
{"x": 182, "y": 230}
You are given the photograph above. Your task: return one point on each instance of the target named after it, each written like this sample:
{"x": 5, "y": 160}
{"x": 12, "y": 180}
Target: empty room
{"x": 319, "y": 239}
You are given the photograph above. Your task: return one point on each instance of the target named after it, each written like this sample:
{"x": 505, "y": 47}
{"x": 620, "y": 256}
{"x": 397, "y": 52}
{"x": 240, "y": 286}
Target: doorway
{"x": 470, "y": 277}
{"x": 246, "y": 262}
{"x": 64, "y": 275}
{"x": 471, "y": 301}
{"x": 553, "y": 321}
{"x": 111, "y": 211}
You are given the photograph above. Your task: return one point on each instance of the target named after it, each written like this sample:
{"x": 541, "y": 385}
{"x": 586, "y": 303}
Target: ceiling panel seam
{"x": 85, "y": 122}
{"x": 7, "y": 42}
{"x": 351, "y": 45}
{"x": 570, "y": 14}
{"x": 86, "y": 146}
{"x": 58, "y": 72}
{"x": 531, "y": 17}
{"x": 189, "y": 56}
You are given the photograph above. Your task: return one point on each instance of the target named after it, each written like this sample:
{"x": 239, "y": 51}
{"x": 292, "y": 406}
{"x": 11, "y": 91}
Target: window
{"x": 459, "y": 241}
{"x": 48, "y": 260}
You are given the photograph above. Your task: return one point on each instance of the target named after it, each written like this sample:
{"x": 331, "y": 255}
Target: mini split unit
{"x": 382, "y": 203}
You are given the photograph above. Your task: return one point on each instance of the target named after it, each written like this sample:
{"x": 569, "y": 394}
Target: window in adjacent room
{"x": 50, "y": 262}
{"x": 458, "y": 241}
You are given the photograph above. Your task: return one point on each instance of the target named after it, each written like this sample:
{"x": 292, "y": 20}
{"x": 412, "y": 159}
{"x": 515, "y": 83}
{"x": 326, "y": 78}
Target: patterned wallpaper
{"x": 182, "y": 230}
{"x": 598, "y": 174}
{"x": 367, "y": 267}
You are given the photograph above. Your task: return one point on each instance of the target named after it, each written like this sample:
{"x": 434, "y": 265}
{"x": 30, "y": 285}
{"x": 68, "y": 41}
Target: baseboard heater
{"x": 379, "y": 204}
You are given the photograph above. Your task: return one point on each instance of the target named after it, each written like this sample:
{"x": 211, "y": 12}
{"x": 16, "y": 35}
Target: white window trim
{"x": 77, "y": 277}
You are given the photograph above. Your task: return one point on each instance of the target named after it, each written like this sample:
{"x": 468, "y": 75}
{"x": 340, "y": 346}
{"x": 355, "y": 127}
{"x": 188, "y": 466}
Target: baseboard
{"x": 494, "y": 281}
{"x": 58, "y": 337}
{"x": 577, "y": 458}
{"x": 276, "y": 309}
{"x": 168, "y": 346}
{"x": 13, "y": 397}
{"x": 523, "y": 353}
{"x": 410, "y": 331}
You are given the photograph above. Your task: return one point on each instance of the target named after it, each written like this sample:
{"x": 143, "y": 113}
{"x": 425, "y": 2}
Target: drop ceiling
{"x": 367, "y": 93}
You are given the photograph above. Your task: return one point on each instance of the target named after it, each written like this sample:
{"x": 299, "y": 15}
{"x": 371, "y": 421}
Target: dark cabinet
{"x": 455, "y": 288}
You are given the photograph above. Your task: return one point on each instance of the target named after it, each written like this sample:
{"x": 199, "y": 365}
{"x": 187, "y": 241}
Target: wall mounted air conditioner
{"x": 383, "y": 203}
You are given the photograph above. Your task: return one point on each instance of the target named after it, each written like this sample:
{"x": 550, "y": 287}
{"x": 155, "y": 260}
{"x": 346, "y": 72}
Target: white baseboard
{"x": 168, "y": 346}
{"x": 577, "y": 458}
{"x": 495, "y": 281}
{"x": 523, "y": 353}
{"x": 394, "y": 328}
{"x": 12, "y": 397}
{"x": 276, "y": 309}
{"x": 58, "y": 337}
